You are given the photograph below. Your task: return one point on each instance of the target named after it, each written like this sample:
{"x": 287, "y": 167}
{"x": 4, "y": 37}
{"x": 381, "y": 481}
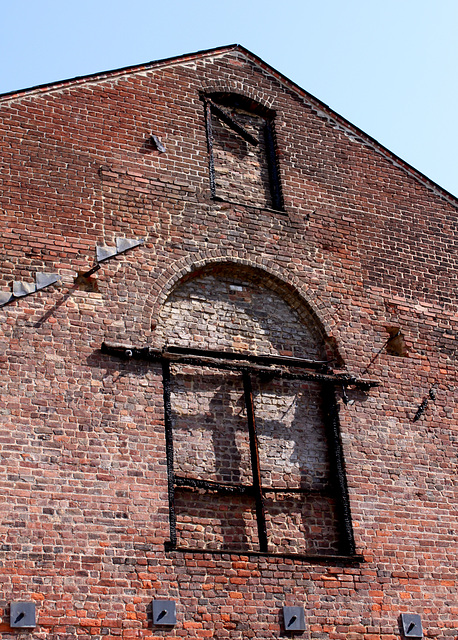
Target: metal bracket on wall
{"x": 21, "y": 289}
{"x": 156, "y": 141}
{"x": 294, "y": 619}
{"x": 43, "y": 280}
{"x": 422, "y": 408}
{"x": 122, "y": 244}
{"x": 22, "y": 615}
{"x": 411, "y": 625}
{"x": 164, "y": 613}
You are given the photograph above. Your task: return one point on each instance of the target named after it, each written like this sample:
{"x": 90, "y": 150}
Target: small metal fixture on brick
{"x": 21, "y": 289}
{"x": 395, "y": 333}
{"x": 22, "y": 615}
{"x": 411, "y": 625}
{"x": 122, "y": 245}
{"x": 156, "y": 141}
{"x": 164, "y": 613}
{"x": 422, "y": 408}
{"x": 294, "y": 618}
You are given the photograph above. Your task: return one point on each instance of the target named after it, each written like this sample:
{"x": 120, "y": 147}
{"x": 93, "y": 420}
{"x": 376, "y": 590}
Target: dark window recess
{"x": 242, "y": 155}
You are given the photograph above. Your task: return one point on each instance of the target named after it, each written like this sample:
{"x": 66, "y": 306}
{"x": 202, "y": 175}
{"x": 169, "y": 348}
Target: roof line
{"x": 364, "y": 137}
{"x": 340, "y": 120}
{"x": 59, "y": 84}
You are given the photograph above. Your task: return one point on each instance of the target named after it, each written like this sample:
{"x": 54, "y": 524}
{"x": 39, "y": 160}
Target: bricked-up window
{"x": 254, "y": 457}
{"x": 242, "y": 154}
{"x": 253, "y": 448}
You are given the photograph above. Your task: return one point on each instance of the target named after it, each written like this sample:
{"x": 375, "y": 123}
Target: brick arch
{"x": 268, "y": 273}
{"x": 242, "y": 89}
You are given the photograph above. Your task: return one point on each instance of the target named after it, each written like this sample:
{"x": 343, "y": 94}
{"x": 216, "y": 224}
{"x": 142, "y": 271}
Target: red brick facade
{"x": 253, "y": 408}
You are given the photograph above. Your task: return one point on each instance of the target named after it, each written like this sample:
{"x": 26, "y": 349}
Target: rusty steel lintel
{"x": 169, "y": 451}
{"x": 229, "y": 120}
{"x": 258, "y": 359}
{"x": 210, "y": 485}
{"x": 255, "y": 466}
{"x": 238, "y": 362}
{"x": 193, "y": 484}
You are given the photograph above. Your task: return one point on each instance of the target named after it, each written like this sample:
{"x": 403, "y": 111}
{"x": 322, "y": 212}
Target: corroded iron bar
{"x": 256, "y": 470}
{"x": 194, "y": 484}
{"x": 331, "y": 418}
{"x": 275, "y": 186}
{"x": 210, "y": 485}
{"x": 211, "y": 160}
{"x": 91, "y": 271}
{"x": 226, "y": 362}
{"x": 169, "y": 451}
{"x": 258, "y": 359}
{"x": 229, "y": 120}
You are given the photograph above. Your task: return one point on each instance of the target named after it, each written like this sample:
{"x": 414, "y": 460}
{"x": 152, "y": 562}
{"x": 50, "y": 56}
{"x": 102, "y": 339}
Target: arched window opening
{"x": 254, "y": 456}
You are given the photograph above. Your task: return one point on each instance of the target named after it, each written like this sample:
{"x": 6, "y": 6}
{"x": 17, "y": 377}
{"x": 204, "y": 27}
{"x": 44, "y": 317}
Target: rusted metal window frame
{"x": 270, "y": 144}
{"x": 262, "y": 366}
{"x": 337, "y": 469}
{"x": 255, "y": 466}
{"x": 168, "y": 424}
{"x": 229, "y": 120}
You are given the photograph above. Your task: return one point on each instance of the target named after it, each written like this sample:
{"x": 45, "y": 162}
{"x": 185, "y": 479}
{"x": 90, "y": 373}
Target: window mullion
{"x": 331, "y": 417}
{"x": 255, "y": 467}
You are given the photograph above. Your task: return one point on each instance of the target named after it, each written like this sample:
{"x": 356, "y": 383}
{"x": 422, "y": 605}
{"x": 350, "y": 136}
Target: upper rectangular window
{"x": 242, "y": 154}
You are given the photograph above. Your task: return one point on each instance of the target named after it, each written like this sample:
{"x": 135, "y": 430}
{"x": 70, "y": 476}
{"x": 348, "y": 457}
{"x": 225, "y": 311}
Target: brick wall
{"x": 363, "y": 247}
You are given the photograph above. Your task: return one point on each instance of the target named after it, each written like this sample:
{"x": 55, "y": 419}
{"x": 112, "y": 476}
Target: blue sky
{"x": 387, "y": 66}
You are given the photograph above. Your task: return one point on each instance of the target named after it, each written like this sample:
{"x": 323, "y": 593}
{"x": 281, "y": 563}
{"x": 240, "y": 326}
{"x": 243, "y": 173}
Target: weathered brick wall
{"x": 363, "y": 245}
